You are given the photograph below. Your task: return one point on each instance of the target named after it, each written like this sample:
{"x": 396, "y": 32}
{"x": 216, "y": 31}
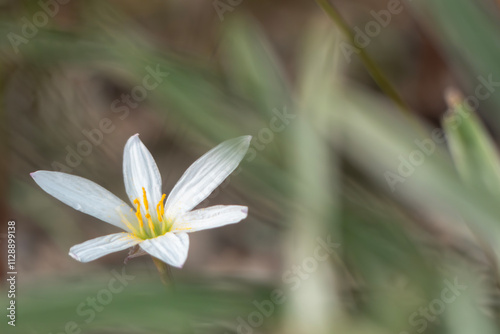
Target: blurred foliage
{"x": 409, "y": 212}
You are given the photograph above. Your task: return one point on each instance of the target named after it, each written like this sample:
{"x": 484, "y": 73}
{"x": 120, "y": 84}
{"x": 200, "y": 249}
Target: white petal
{"x": 85, "y": 196}
{"x": 211, "y": 217}
{"x": 98, "y": 247}
{"x": 206, "y": 174}
{"x": 140, "y": 170}
{"x": 171, "y": 248}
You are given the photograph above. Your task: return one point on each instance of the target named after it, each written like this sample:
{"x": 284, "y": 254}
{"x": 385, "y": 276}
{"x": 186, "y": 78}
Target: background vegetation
{"x": 345, "y": 100}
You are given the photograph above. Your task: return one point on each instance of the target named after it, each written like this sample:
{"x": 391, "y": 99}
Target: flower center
{"x": 150, "y": 227}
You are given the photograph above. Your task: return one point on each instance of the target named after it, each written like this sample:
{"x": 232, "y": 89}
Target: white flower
{"x": 159, "y": 229}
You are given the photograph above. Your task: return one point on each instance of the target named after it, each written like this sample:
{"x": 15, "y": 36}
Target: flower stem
{"x": 165, "y": 272}
{"x": 370, "y": 65}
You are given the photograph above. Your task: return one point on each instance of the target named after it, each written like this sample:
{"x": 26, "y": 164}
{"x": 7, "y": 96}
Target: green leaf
{"x": 473, "y": 150}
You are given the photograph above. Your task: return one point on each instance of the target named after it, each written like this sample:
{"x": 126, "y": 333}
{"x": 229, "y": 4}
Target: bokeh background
{"x": 349, "y": 229}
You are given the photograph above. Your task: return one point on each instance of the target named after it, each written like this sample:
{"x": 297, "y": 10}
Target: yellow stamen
{"x": 150, "y": 223}
{"x": 148, "y": 215}
{"x": 138, "y": 214}
{"x": 159, "y": 212}
{"x": 146, "y": 204}
{"x": 159, "y": 207}
{"x": 162, "y": 208}
{"x": 155, "y": 227}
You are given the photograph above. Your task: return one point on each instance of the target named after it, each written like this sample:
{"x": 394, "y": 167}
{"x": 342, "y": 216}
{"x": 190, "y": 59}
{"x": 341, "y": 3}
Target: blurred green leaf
{"x": 253, "y": 69}
{"x": 468, "y": 34}
{"x": 141, "y": 303}
{"x": 472, "y": 148}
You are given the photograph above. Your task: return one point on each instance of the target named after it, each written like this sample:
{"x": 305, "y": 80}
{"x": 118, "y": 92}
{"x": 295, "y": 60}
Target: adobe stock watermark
{"x": 421, "y": 318}
{"x": 372, "y": 29}
{"x": 89, "y": 308}
{"x": 278, "y": 123}
{"x": 122, "y": 107}
{"x": 425, "y": 148}
{"x": 30, "y": 28}
{"x": 222, "y": 6}
{"x": 292, "y": 279}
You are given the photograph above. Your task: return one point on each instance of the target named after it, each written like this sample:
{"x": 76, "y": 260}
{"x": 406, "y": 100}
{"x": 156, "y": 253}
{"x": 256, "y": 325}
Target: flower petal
{"x": 206, "y": 174}
{"x": 85, "y": 196}
{"x": 98, "y": 247}
{"x": 140, "y": 170}
{"x": 171, "y": 248}
{"x": 211, "y": 217}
